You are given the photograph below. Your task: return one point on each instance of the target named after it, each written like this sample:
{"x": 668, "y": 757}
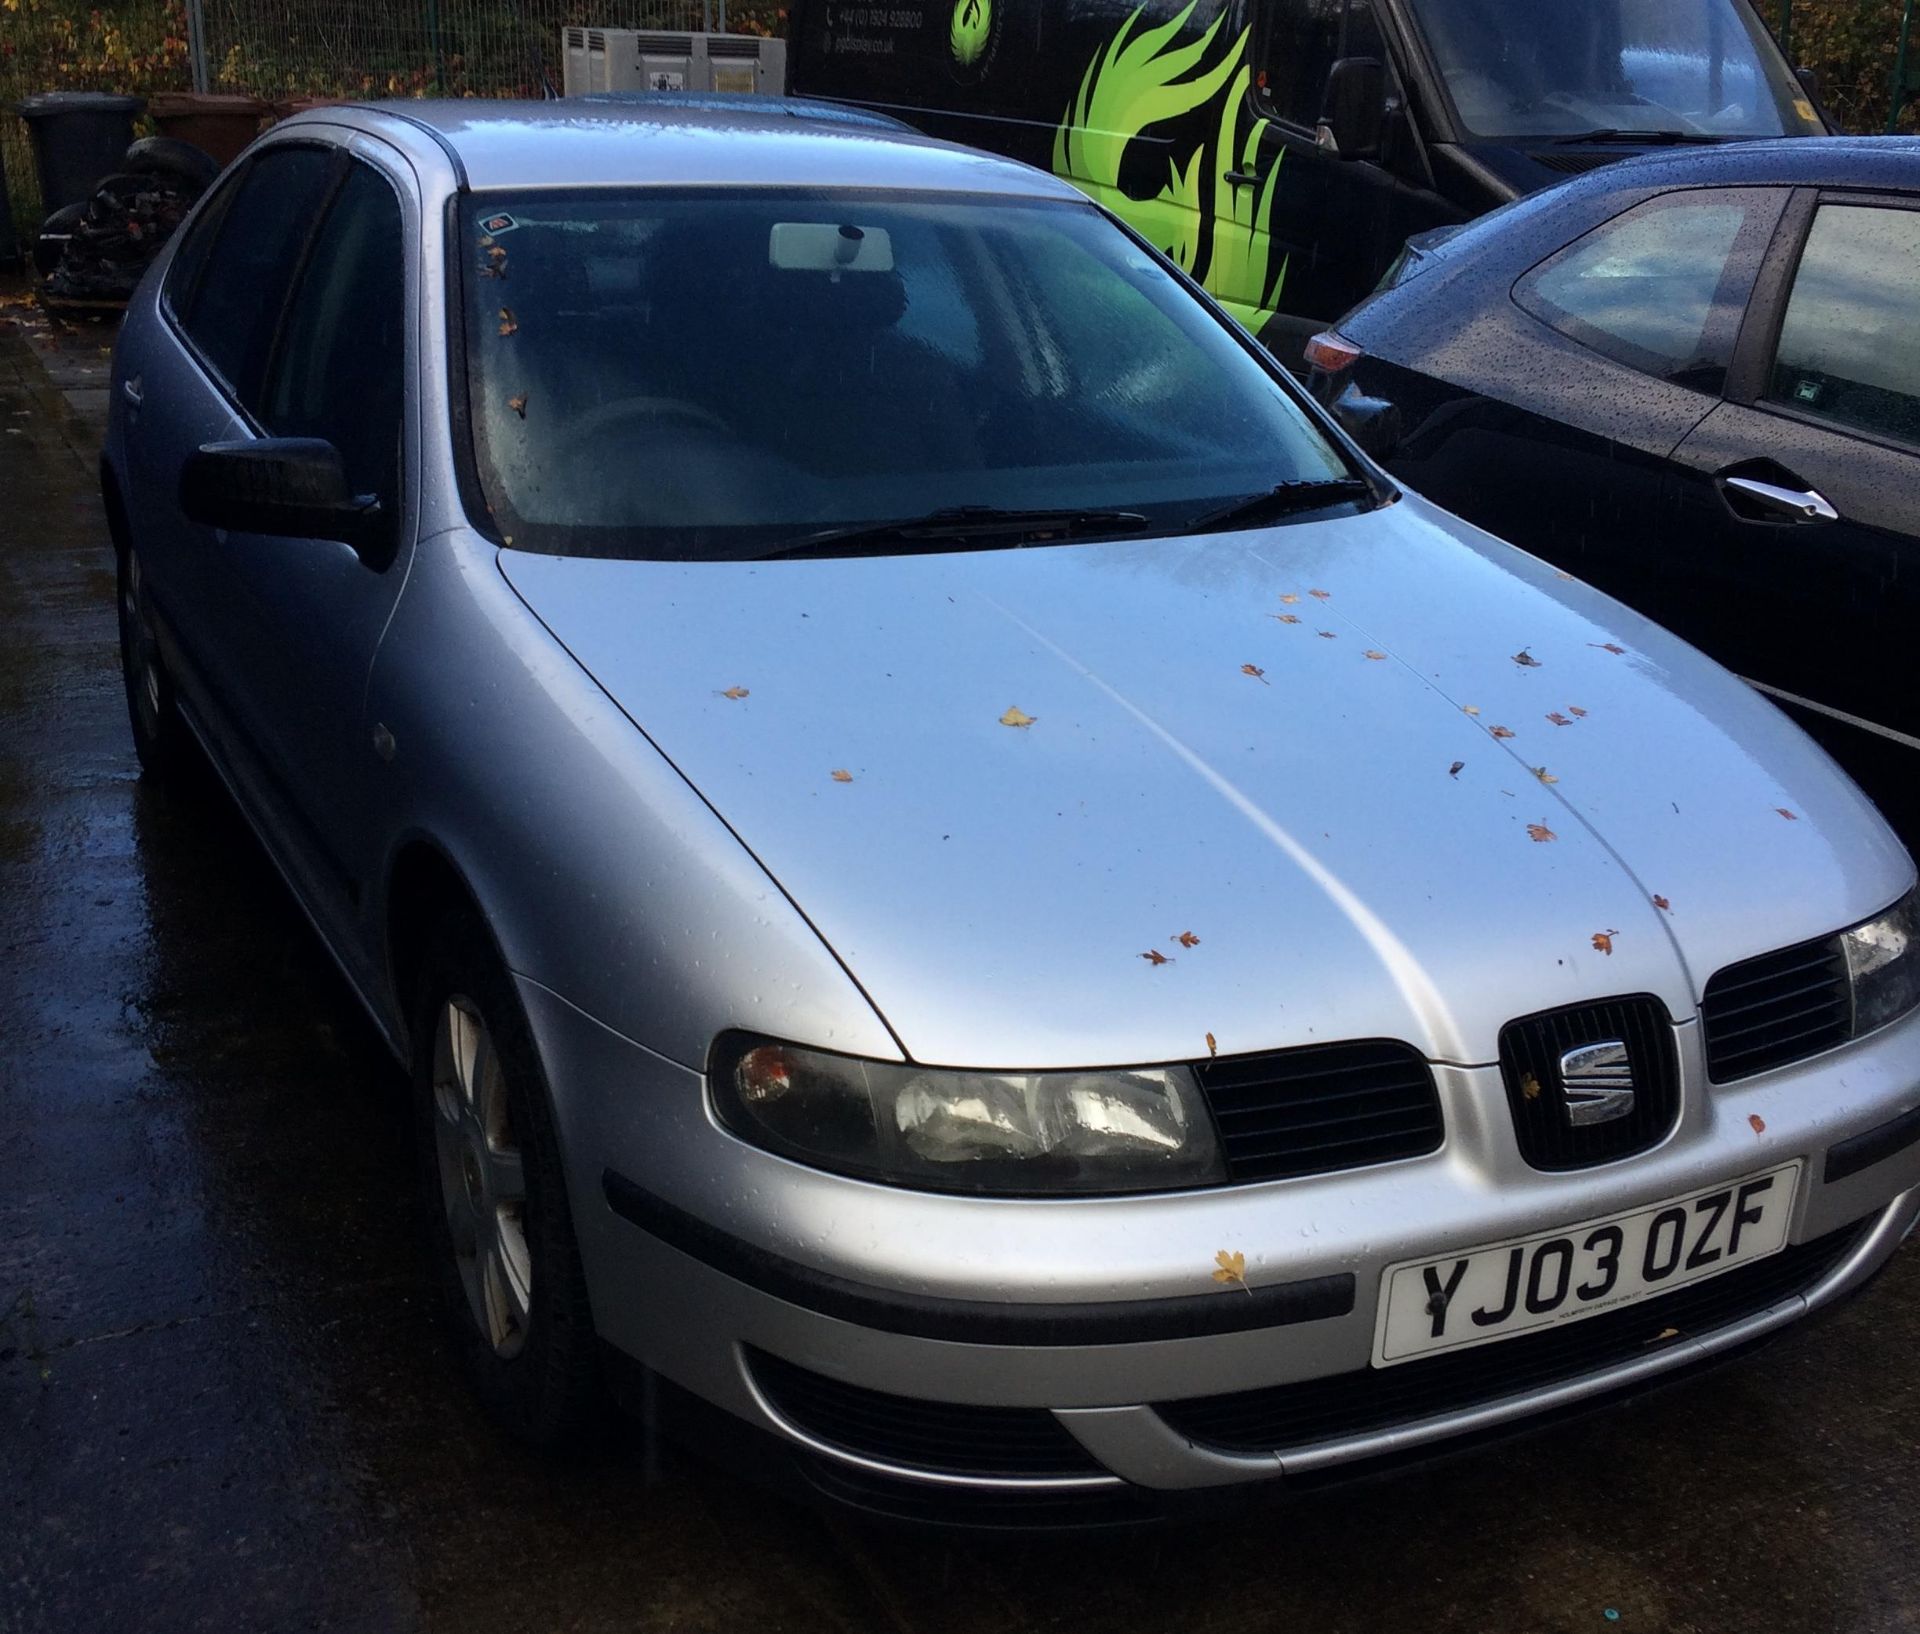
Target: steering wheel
{"x": 659, "y": 408}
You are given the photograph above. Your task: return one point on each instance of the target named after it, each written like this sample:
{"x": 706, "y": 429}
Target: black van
{"x": 1283, "y": 150}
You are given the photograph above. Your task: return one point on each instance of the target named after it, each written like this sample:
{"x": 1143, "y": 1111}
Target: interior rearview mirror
{"x": 291, "y": 486}
{"x": 1356, "y": 107}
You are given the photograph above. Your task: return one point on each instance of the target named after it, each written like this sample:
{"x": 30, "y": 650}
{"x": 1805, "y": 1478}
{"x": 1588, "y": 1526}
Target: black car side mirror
{"x": 1356, "y": 107}
{"x": 291, "y": 486}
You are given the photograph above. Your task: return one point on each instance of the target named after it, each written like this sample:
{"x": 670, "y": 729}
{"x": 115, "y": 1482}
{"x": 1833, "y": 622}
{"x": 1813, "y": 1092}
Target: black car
{"x": 1694, "y": 380}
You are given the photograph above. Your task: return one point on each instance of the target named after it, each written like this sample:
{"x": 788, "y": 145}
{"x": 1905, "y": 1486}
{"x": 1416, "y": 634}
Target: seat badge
{"x": 1596, "y": 1083}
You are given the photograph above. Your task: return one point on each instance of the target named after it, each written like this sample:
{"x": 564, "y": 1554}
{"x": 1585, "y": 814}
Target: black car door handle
{"x": 1759, "y": 501}
{"x": 130, "y": 390}
{"x": 1240, "y": 178}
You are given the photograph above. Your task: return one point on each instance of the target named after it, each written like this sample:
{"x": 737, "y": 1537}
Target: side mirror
{"x": 1356, "y": 109}
{"x": 291, "y": 486}
{"x": 1809, "y": 78}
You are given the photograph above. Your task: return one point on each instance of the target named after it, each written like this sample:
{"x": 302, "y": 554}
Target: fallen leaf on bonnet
{"x": 1576, "y": 711}
{"x": 1286, "y": 618}
{"x": 1786, "y": 814}
{"x": 1290, "y": 599}
{"x": 1187, "y": 939}
{"x": 1322, "y": 595}
{"x": 496, "y": 253}
{"x": 508, "y": 324}
{"x": 1329, "y": 635}
{"x": 1501, "y": 731}
{"x": 1539, "y": 833}
{"x": 1759, "y": 1123}
{"x": 1665, "y": 1333}
{"x": 1373, "y": 652}
{"x": 843, "y": 777}
{"x": 1212, "y": 1048}
{"x": 486, "y": 242}
{"x": 1469, "y": 709}
{"x": 734, "y": 692}
{"x": 1529, "y": 1087}
{"x": 1233, "y": 1267}
{"x": 1559, "y": 719}
{"x": 1525, "y": 659}
{"x": 1544, "y": 775}
{"x": 518, "y": 405}
{"x": 1562, "y": 573}
{"x": 1603, "y": 941}
{"x": 1455, "y": 768}
{"x": 1607, "y": 646}
{"x": 1662, "y": 904}
{"x": 1154, "y": 956}
{"x": 1257, "y": 673}
{"x": 1016, "y": 716}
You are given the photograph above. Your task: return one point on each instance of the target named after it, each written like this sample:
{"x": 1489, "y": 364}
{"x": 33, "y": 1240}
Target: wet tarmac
{"x": 223, "y": 1404}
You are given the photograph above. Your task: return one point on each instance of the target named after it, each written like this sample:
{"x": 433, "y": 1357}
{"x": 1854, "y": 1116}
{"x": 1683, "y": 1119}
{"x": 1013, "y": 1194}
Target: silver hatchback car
{"x": 960, "y": 877}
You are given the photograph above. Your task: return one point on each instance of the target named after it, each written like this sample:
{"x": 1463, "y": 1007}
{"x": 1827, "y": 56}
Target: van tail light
{"x": 1331, "y": 352}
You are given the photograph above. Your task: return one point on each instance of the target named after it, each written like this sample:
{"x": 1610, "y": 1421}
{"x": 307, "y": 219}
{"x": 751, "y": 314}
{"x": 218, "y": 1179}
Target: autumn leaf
{"x": 1525, "y": 659}
{"x": 486, "y": 243}
{"x": 495, "y": 253}
{"x": 1603, "y": 941}
{"x": 734, "y": 692}
{"x": 1328, "y": 635}
{"x": 1212, "y": 1048}
{"x": 1663, "y": 904}
{"x": 508, "y": 325}
{"x": 1607, "y": 646}
{"x": 1320, "y": 595}
{"x": 1374, "y": 653}
{"x": 1786, "y": 814}
{"x": 1469, "y": 709}
{"x": 1664, "y": 1333}
{"x": 1257, "y": 673}
{"x": 1016, "y": 716}
{"x": 1759, "y": 1123}
{"x": 1187, "y": 939}
{"x": 1455, "y": 769}
{"x": 1286, "y": 618}
{"x": 1544, "y": 775}
{"x": 1562, "y": 573}
{"x": 1529, "y": 1087}
{"x": 1233, "y": 1267}
{"x": 1501, "y": 731}
{"x": 1154, "y": 956}
{"x": 1291, "y": 600}
{"x": 1559, "y": 719}
{"x": 1576, "y": 711}
{"x": 518, "y": 405}
{"x": 843, "y": 777}
{"x": 1539, "y": 833}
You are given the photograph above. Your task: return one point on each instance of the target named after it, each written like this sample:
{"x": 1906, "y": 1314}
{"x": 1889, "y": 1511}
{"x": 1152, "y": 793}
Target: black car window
{"x": 236, "y": 301}
{"x": 190, "y": 254}
{"x": 1662, "y": 287}
{"x": 338, "y": 371}
{"x": 1850, "y": 344}
{"x": 1302, "y": 41}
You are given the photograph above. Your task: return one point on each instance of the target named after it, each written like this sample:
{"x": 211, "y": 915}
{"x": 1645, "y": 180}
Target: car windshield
{"x": 731, "y": 374}
{"x": 1566, "y": 67}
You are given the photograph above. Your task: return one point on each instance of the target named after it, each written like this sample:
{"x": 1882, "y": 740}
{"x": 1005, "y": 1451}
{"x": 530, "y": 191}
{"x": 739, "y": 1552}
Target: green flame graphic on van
{"x": 1142, "y": 80}
{"x": 972, "y": 26}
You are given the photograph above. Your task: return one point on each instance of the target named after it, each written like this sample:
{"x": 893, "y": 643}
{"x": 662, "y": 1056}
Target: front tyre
{"x": 159, "y": 735}
{"x": 499, "y": 1231}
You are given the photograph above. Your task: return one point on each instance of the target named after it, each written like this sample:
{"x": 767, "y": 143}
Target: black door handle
{"x": 1240, "y": 178}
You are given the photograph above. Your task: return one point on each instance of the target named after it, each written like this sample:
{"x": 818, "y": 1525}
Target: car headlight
{"x": 1882, "y": 966}
{"x": 1033, "y": 1133}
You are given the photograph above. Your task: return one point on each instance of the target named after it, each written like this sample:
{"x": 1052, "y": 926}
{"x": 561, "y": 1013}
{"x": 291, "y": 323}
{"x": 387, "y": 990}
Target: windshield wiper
{"x": 1282, "y": 500}
{"x": 1646, "y": 138}
{"x": 954, "y": 522}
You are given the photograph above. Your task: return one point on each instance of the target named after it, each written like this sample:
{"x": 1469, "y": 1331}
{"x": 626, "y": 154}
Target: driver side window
{"x": 1301, "y": 44}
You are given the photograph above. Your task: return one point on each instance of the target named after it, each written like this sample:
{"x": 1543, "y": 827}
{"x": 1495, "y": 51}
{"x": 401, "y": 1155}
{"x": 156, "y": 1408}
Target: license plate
{"x": 1489, "y": 1293}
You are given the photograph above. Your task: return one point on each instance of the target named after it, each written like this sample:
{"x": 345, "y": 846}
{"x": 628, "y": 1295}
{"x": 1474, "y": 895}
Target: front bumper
{"x": 1100, "y": 1318}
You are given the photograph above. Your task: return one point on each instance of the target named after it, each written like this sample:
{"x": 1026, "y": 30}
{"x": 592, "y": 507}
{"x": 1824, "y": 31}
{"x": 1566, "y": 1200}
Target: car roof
{"x": 1801, "y": 161}
{"x": 708, "y": 140}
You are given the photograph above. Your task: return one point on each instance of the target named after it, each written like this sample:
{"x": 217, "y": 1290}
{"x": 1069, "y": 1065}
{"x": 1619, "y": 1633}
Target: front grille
{"x": 1530, "y": 1052}
{"x": 929, "y": 1435}
{"x": 1778, "y": 1008}
{"x": 1349, "y": 1404}
{"x": 1325, "y": 1107}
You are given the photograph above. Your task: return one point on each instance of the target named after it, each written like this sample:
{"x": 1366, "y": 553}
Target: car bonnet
{"x": 1129, "y": 802}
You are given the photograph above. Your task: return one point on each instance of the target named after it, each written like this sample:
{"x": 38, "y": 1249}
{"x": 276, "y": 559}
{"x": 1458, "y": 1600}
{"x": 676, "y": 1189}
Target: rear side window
{"x": 1661, "y": 288}
{"x": 339, "y": 368}
{"x": 235, "y": 303}
{"x": 1850, "y": 346}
